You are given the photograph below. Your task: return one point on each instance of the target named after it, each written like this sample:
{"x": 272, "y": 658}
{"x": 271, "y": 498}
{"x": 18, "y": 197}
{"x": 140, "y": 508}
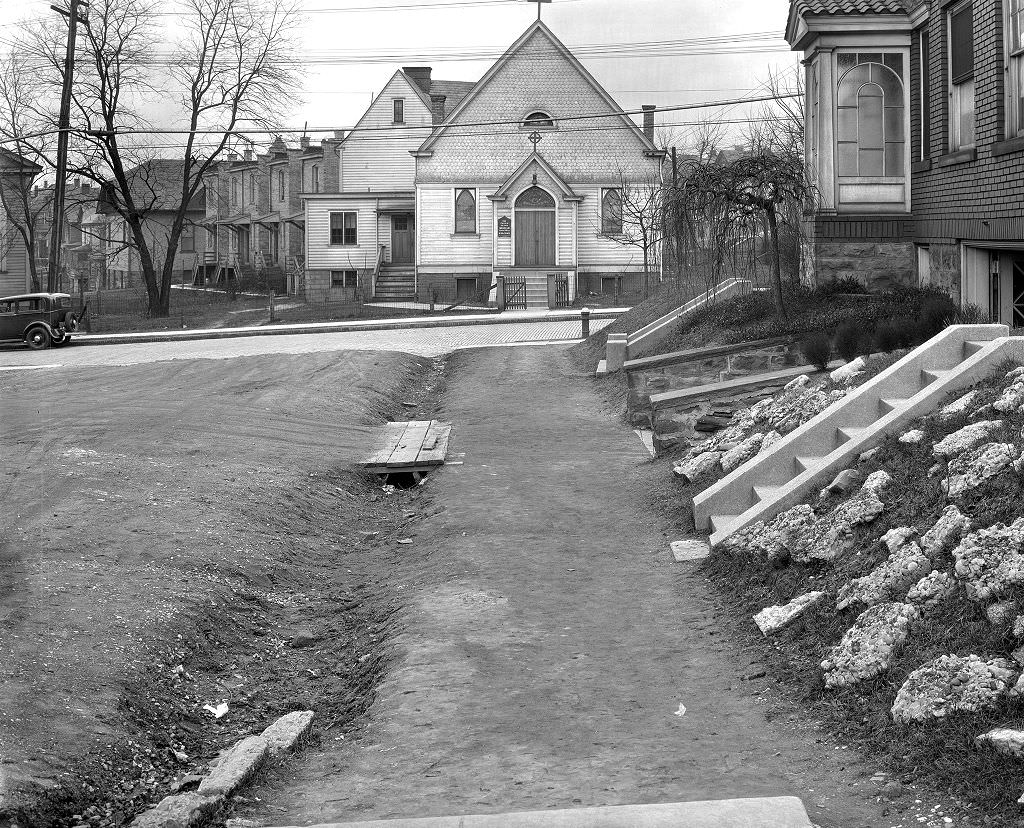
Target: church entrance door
{"x": 535, "y": 228}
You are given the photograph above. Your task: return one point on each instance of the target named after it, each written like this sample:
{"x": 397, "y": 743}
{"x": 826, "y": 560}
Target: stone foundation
{"x": 877, "y": 265}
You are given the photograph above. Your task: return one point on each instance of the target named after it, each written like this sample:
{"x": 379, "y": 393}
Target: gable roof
{"x": 563, "y": 50}
{"x": 9, "y": 159}
{"x": 155, "y": 185}
{"x": 535, "y": 158}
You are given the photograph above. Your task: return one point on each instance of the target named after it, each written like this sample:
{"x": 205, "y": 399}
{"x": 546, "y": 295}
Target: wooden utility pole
{"x": 63, "y": 125}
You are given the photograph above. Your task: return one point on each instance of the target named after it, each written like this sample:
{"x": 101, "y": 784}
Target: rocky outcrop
{"x": 969, "y": 470}
{"x": 953, "y": 684}
{"x": 870, "y": 645}
{"x": 990, "y": 561}
{"x": 772, "y": 619}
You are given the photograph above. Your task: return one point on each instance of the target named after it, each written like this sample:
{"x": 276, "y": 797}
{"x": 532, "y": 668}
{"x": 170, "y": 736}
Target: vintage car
{"x": 37, "y": 319}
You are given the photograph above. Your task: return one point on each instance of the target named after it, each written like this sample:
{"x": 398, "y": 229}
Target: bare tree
{"x": 231, "y": 62}
{"x": 638, "y": 220}
{"x": 26, "y": 153}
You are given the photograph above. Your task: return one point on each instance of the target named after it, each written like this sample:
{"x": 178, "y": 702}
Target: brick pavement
{"x": 421, "y": 342}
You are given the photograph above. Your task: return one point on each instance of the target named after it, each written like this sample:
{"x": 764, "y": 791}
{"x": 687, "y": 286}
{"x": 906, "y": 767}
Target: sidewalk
{"x": 345, "y": 327}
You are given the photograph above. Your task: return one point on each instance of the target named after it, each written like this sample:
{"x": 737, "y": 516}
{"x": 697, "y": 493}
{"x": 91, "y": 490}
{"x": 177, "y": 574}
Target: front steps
{"x": 763, "y": 812}
{"x": 812, "y": 455}
{"x": 395, "y": 283}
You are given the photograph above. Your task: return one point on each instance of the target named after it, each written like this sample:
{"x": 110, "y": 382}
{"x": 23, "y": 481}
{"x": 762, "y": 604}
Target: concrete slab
{"x": 692, "y": 549}
{"x": 765, "y": 812}
{"x": 647, "y": 438}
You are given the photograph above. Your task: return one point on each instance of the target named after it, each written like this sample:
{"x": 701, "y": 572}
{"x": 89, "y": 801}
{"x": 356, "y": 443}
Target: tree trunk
{"x": 773, "y": 229}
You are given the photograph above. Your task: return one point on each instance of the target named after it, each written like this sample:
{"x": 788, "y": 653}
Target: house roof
{"x": 154, "y": 185}
{"x": 535, "y": 157}
{"x": 12, "y": 159}
{"x": 563, "y": 50}
{"x": 799, "y": 10}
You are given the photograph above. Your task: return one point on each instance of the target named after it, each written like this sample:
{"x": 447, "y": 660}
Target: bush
{"x": 937, "y": 311}
{"x": 844, "y": 284}
{"x": 888, "y": 335}
{"x": 907, "y": 329}
{"x": 848, "y": 340}
{"x": 817, "y": 350}
{"x": 970, "y": 315}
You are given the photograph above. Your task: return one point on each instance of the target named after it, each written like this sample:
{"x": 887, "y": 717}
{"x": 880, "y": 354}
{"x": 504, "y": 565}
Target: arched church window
{"x": 871, "y": 136}
{"x": 611, "y": 211}
{"x": 465, "y": 211}
{"x": 535, "y": 198}
{"x": 538, "y": 119}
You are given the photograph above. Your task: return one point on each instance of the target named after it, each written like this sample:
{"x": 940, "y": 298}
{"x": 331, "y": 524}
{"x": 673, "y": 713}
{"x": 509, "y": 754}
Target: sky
{"x": 427, "y": 32}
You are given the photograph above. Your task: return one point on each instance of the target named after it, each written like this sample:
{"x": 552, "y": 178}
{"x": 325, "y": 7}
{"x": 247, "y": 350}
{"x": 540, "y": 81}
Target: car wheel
{"x": 37, "y": 339}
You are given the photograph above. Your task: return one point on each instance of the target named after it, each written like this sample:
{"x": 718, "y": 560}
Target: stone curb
{"x": 232, "y": 769}
{"x": 337, "y": 327}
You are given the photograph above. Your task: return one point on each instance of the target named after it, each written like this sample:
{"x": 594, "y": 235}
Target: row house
{"x": 511, "y": 184}
{"x": 254, "y": 210}
{"x": 915, "y": 140}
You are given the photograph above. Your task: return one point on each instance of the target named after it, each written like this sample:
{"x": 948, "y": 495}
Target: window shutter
{"x": 961, "y": 44}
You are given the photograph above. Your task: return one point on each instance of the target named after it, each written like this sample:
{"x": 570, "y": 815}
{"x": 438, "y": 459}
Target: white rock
{"x": 1018, "y": 627}
{"x": 958, "y": 407}
{"x": 912, "y": 437}
{"x": 734, "y": 458}
{"x": 235, "y": 766}
{"x": 969, "y": 437}
{"x": 772, "y": 619}
{"x": 770, "y": 439}
{"x": 1015, "y": 373}
{"x": 1002, "y": 613}
{"x": 867, "y": 455}
{"x": 952, "y": 684}
{"x": 797, "y": 382}
{"x": 1011, "y": 399}
{"x": 931, "y": 590}
{"x": 848, "y": 372}
{"x": 784, "y": 535}
{"x": 876, "y": 482}
{"x": 990, "y": 561}
{"x": 700, "y": 466}
{"x": 890, "y": 579}
{"x": 869, "y": 647}
{"x": 951, "y": 525}
{"x": 284, "y": 734}
{"x": 1004, "y": 740}
{"x": 846, "y": 481}
{"x": 690, "y": 550}
{"x": 896, "y": 538}
{"x": 970, "y": 469}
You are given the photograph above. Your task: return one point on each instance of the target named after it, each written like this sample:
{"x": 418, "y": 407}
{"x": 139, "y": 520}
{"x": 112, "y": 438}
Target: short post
{"x": 272, "y": 320}
{"x": 585, "y": 319}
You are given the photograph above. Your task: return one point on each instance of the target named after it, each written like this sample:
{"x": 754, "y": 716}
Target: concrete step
{"x": 810, "y": 456}
{"x": 763, "y": 812}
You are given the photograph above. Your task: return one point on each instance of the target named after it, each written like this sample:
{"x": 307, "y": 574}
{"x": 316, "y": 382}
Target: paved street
{"x": 419, "y": 341}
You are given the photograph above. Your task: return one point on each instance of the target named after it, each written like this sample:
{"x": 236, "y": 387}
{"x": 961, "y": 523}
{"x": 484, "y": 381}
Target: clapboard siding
{"x": 375, "y": 155}
{"x": 320, "y": 253}
{"x": 566, "y": 254}
{"x": 14, "y": 278}
{"x": 597, "y": 252}
{"x": 436, "y": 239}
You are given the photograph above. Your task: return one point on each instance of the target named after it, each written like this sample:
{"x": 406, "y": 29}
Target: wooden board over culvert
{"x": 412, "y": 447}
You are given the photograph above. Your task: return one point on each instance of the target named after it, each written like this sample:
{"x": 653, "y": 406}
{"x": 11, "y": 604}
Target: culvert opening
{"x": 404, "y": 480}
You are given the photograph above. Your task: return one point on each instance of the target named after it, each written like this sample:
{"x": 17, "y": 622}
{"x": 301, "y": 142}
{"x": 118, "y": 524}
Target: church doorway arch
{"x": 535, "y": 228}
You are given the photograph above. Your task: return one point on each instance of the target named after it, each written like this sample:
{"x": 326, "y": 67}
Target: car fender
{"x": 39, "y": 323}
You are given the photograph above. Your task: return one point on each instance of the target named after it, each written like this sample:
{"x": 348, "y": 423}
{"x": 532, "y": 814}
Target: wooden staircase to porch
{"x": 395, "y": 283}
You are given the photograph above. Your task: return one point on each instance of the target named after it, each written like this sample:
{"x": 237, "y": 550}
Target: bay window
{"x": 870, "y": 135}
{"x": 961, "y": 76}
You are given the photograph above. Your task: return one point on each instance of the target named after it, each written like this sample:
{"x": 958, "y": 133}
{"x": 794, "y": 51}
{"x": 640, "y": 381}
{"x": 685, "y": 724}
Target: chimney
{"x": 247, "y": 155}
{"x": 420, "y": 75}
{"x": 304, "y": 142}
{"x": 437, "y": 107}
{"x": 339, "y": 135}
{"x": 232, "y": 156}
{"x": 649, "y": 120}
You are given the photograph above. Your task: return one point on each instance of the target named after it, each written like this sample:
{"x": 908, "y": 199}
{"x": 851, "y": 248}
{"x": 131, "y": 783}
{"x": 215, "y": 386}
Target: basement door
{"x": 535, "y": 228}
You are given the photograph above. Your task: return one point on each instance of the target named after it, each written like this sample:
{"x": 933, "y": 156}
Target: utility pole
{"x": 63, "y": 125}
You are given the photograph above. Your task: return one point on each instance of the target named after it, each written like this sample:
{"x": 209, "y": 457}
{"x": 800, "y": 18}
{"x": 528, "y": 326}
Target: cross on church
{"x": 534, "y": 138}
{"x": 539, "y": 2}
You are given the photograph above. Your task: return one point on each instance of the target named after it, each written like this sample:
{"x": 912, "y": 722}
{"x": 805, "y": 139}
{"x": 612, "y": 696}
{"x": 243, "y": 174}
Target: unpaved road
{"x": 550, "y": 639}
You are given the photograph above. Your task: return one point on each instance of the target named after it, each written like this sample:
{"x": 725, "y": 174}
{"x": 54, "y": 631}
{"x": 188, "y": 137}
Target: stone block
{"x": 772, "y": 619}
{"x": 951, "y": 684}
{"x": 868, "y": 648}
{"x": 690, "y": 550}
{"x": 235, "y": 766}
{"x": 969, "y": 437}
{"x": 186, "y": 810}
{"x": 1004, "y": 740}
{"x": 284, "y": 734}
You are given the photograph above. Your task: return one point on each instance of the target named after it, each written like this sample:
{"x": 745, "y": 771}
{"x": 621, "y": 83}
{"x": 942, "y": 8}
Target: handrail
{"x": 376, "y": 270}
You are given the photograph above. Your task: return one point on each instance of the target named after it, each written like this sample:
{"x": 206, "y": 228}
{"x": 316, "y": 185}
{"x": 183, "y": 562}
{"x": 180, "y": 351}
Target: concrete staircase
{"x": 536, "y": 290}
{"x": 813, "y": 454}
{"x": 395, "y": 283}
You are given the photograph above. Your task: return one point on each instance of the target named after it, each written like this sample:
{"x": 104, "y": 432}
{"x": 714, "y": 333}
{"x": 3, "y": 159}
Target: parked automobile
{"x": 37, "y": 319}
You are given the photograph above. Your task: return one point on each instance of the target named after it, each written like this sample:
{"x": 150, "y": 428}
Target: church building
{"x": 510, "y": 189}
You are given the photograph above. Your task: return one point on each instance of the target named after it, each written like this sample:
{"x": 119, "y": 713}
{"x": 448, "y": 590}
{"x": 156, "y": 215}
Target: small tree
{"x": 639, "y": 221}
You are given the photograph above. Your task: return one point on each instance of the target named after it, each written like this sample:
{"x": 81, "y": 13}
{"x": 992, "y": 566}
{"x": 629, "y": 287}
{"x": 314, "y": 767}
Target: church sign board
{"x": 504, "y": 227}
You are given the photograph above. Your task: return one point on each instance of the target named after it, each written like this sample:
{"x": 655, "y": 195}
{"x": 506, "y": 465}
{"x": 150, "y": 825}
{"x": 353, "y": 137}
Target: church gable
{"x": 536, "y": 75}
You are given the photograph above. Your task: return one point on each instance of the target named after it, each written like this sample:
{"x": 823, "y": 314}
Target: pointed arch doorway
{"x": 535, "y": 228}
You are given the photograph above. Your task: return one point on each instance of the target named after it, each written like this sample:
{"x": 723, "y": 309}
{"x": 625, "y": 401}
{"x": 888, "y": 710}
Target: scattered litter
{"x": 219, "y": 712}
{"x": 406, "y": 540}
{"x": 408, "y": 404}
{"x": 681, "y": 711}
{"x": 389, "y": 489}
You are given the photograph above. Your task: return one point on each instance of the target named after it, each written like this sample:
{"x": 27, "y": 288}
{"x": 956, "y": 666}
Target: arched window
{"x": 538, "y": 119}
{"x": 870, "y": 135}
{"x": 465, "y": 211}
{"x": 611, "y": 211}
{"x": 535, "y": 198}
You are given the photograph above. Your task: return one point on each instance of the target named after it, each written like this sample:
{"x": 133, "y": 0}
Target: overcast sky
{"x": 335, "y": 94}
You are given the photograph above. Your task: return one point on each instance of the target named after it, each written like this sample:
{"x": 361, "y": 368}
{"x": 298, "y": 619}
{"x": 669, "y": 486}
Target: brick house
{"x": 915, "y": 138}
{"x": 449, "y": 188}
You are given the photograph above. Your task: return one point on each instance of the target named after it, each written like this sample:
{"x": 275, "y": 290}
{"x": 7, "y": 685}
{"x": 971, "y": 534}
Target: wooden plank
{"x": 389, "y": 438}
{"x": 408, "y": 448}
{"x": 435, "y": 444}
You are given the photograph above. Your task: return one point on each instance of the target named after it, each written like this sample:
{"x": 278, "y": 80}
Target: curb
{"x": 232, "y": 769}
{"x": 336, "y": 327}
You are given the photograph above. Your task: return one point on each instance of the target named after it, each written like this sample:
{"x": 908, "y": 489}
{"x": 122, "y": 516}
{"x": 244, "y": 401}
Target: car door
{"x": 9, "y": 320}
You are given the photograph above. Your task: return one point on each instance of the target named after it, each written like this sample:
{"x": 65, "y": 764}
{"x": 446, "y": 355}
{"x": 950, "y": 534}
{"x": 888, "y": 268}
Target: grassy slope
{"x": 941, "y": 752}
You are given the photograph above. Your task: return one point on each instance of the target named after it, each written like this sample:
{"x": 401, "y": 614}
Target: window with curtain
{"x": 611, "y": 211}
{"x": 1015, "y": 67}
{"x": 871, "y": 138}
{"x": 465, "y": 211}
{"x": 961, "y": 76}
{"x": 343, "y": 228}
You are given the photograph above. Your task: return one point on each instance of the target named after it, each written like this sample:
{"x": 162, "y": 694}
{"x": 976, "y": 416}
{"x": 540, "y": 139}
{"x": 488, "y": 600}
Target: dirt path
{"x": 550, "y": 639}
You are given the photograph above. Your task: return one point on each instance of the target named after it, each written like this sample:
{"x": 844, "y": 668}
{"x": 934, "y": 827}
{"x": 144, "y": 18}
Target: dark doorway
{"x": 535, "y": 228}
{"x": 402, "y": 238}
{"x": 1017, "y": 288}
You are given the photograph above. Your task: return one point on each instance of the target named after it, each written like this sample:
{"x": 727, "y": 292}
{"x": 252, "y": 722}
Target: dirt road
{"x": 550, "y": 640}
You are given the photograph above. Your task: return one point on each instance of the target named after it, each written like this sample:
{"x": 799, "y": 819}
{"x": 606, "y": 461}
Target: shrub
{"x": 844, "y": 284}
{"x": 970, "y": 315}
{"x": 888, "y": 335}
{"x": 907, "y": 330}
{"x": 937, "y": 311}
{"x": 817, "y": 350}
{"x": 848, "y": 340}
